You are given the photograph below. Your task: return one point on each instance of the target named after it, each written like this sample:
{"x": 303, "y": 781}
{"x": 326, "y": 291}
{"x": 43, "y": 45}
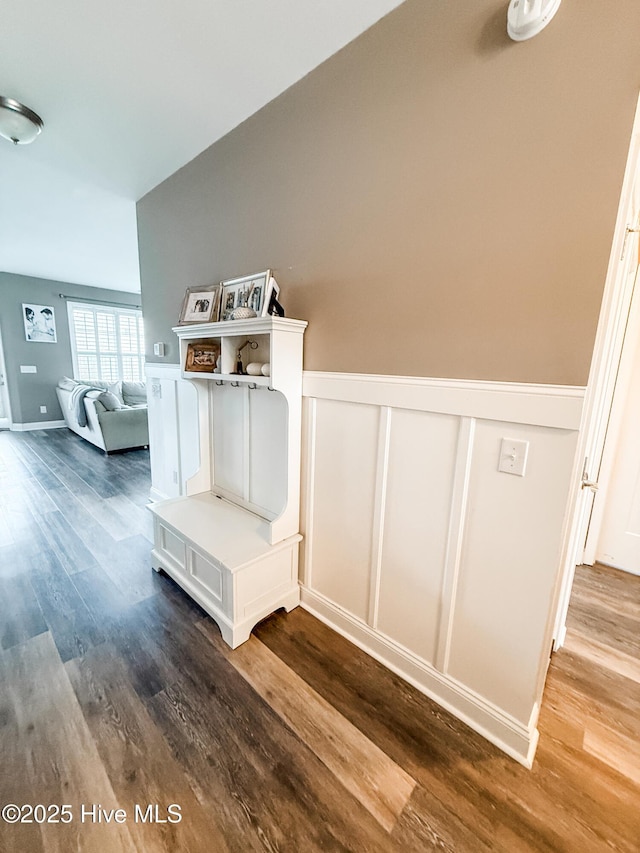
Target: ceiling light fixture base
{"x": 526, "y": 18}
{"x": 18, "y": 123}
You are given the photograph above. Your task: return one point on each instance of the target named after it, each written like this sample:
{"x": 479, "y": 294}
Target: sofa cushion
{"x": 109, "y": 401}
{"x": 134, "y": 393}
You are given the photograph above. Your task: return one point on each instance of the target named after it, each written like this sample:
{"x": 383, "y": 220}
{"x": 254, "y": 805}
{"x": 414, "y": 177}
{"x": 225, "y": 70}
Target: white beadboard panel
{"x": 267, "y": 448}
{"x": 230, "y": 435}
{"x": 510, "y": 563}
{"x": 421, "y": 459}
{"x": 344, "y": 480}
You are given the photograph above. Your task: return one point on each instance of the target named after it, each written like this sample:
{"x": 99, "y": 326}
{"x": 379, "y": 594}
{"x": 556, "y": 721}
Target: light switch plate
{"x": 28, "y": 368}
{"x": 513, "y": 456}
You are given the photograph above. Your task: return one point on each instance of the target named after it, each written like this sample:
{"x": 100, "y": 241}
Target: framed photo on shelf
{"x": 201, "y": 305}
{"x": 271, "y": 304}
{"x": 202, "y": 357}
{"x": 247, "y": 292}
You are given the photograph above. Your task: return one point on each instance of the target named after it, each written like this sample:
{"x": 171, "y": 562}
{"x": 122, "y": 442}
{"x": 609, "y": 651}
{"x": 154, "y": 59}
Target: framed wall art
{"x": 39, "y": 323}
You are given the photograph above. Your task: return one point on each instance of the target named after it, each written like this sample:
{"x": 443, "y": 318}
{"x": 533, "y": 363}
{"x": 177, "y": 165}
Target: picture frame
{"x": 249, "y": 291}
{"x": 200, "y": 305}
{"x": 271, "y": 304}
{"x": 39, "y": 323}
{"x": 202, "y": 357}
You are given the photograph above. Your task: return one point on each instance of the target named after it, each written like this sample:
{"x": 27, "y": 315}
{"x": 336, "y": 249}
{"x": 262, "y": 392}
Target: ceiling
{"x": 129, "y": 92}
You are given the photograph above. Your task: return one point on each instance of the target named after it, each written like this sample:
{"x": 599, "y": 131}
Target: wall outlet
{"x": 513, "y": 456}
{"x": 43, "y": 410}
{"x": 158, "y": 349}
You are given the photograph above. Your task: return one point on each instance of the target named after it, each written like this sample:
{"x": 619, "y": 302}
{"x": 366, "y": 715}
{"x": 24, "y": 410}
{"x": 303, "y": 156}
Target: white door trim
{"x": 5, "y": 422}
{"x": 615, "y": 308}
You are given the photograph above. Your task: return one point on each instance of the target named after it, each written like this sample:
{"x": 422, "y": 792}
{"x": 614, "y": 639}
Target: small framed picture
{"x": 39, "y": 323}
{"x": 271, "y": 303}
{"x": 201, "y": 305}
{"x": 246, "y": 292}
{"x": 202, "y": 357}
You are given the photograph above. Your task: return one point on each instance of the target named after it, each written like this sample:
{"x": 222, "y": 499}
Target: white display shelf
{"x": 274, "y": 335}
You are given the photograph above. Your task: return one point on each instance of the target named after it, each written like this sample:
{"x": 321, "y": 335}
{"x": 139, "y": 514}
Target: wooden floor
{"x": 117, "y": 692}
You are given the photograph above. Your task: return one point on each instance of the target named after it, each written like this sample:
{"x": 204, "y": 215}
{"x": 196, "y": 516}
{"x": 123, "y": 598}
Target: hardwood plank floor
{"x": 117, "y": 690}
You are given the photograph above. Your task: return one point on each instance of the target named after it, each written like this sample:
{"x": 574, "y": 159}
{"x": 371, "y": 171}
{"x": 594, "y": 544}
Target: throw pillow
{"x": 67, "y": 384}
{"x": 134, "y": 393}
{"x": 115, "y": 388}
{"x": 110, "y": 401}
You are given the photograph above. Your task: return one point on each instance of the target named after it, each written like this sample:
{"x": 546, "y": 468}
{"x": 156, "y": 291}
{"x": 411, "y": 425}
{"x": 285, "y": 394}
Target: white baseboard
{"x": 37, "y": 425}
{"x": 507, "y": 733}
{"x": 559, "y": 641}
{"x": 155, "y": 495}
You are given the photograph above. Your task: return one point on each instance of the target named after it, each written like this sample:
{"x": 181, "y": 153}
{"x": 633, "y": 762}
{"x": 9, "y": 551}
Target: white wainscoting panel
{"x": 173, "y": 430}
{"x": 509, "y": 564}
{"x": 188, "y": 431}
{"x": 419, "y": 550}
{"x": 415, "y": 524}
{"x": 346, "y": 442}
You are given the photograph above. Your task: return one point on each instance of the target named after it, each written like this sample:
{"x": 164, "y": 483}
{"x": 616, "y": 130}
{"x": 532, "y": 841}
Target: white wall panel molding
{"x": 307, "y": 483}
{"x": 557, "y": 406}
{"x": 420, "y": 550}
{"x": 377, "y": 528}
{"x": 153, "y": 370}
{"x": 455, "y": 539}
{"x": 173, "y": 430}
{"x": 508, "y": 734}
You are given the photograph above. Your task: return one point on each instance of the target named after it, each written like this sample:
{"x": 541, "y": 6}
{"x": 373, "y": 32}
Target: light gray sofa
{"x": 111, "y": 415}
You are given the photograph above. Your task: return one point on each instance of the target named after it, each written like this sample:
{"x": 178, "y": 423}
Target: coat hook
{"x": 219, "y": 382}
{"x": 235, "y": 384}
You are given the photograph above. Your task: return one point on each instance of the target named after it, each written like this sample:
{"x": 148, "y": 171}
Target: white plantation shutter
{"x": 107, "y": 342}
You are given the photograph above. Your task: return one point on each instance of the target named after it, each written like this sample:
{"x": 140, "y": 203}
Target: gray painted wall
{"x": 435, "y": 199}
{"x": 29, "y": 391}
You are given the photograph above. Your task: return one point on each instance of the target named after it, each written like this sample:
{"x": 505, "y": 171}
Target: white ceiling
{"x": 130, "y": 91}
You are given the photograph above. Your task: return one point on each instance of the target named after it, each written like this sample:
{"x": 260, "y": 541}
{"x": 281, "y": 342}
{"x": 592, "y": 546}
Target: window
{"x": 106, "y": 342}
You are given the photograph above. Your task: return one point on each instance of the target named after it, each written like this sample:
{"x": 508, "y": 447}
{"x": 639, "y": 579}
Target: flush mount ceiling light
{"x": 526, "y": 18}
{"x": 18, "y": 123}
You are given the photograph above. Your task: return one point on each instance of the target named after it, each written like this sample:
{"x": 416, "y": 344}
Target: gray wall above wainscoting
{"x": 29, "y": 391}
{"x": 434, "y": 199}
